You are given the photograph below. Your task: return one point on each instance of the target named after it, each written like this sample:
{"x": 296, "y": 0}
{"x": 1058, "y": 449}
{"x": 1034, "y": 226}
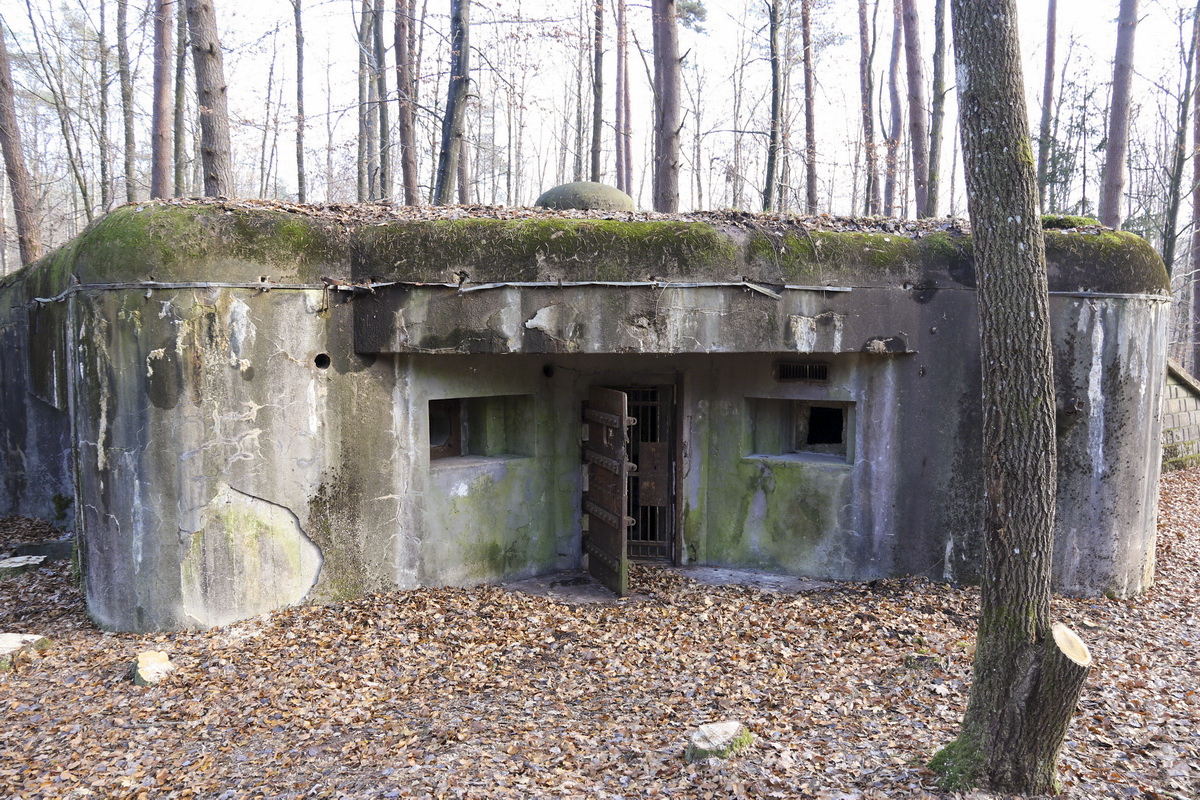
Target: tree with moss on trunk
{"x": 1027, "y": 674}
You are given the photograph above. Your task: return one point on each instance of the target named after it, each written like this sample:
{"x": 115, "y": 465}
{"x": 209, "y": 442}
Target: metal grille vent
{"x": 802, "y": 372}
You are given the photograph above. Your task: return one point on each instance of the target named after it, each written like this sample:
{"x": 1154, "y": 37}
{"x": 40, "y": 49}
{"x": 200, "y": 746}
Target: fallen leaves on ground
{"x": 20, "y": 530}
{"x": 485, "y": 693}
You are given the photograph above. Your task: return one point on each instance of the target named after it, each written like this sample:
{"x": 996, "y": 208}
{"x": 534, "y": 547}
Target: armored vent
{"x": 794, "y": 371}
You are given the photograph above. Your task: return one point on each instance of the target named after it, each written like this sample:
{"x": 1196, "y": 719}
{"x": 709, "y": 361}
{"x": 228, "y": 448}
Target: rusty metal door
{"x": 607, "y": 492}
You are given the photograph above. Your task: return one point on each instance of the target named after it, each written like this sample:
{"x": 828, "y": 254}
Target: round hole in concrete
{"x": 321, "y": 361}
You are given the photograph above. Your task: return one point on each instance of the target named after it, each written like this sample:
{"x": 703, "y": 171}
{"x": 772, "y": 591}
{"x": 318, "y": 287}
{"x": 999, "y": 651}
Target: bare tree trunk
{"x": 1044, "y": 140}
{"x": 301, "y": 184}
{"x": 866, "y": 84}
{"x": 1118, "y": 125}
{"x": 328, "y": 126}
{"x": 619, "y": 122}
{"x": 381, "y": 94}
{"x": 697, "y": 136}
{"x": 597, "y": 90}
{"x": 627, "y": 130}
{"x": 371, "y": 130}
{"x": 211, "y": 99}
{"x": 776, "y": 125}
{"x": 810, "y": 114}
{"x": 364, "y": 109}
{"x": 456, "y": 101}
{"x": 60, "y": 98}
{"x": 180, "y": 95}
{"x": 160, "y": 127}
{"x": 102, "y": 138}
{"x": 939, "y": 107}
{"x": 892, "y": 138}
{"x": 918, "y": 111}
{"x": 577, "y": 175}
{"x": 464, "y": 172}
{"x": 1195, "y": 280}
{"x": 1179, "y": 154}
{"x": 3, "y": 225}
{"x": 404, "y": 89}
{"x": 126, "y": 95}
{"x": 24, "y": 207}
{"x": 667, "y": 123}
{"x": 264, "y": 168}
{"x": 1027, "y": 675}
{"x": 953, "y": 168}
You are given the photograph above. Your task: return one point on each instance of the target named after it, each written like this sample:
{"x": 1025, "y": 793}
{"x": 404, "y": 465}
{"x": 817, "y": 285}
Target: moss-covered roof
{"x": 248, "y": 241}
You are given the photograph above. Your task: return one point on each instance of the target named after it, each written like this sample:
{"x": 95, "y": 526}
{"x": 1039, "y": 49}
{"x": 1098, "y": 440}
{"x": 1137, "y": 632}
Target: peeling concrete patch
{"x": 545, "y": 320}
{"x": 154, "y": 354}
{"x": 822, "y": 332}
{"x": 249, "y": 557}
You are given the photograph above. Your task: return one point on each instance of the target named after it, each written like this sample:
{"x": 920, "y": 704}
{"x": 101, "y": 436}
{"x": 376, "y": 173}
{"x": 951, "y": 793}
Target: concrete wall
{"x": 1180, "y": 419}
{"x": 237, "y": 442}
{"x": 37, "y": 475}
{"x": 1110, "y": 365}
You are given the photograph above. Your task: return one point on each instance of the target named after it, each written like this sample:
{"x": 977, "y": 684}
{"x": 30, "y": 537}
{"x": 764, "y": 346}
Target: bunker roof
{"x": 275, "y": 244}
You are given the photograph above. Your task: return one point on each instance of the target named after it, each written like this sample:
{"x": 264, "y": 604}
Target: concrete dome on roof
{"x": 586, "y": 196}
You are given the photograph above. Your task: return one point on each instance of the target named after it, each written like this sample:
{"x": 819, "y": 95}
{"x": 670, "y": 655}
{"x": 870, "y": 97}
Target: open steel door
{"x": 606, "y": 499}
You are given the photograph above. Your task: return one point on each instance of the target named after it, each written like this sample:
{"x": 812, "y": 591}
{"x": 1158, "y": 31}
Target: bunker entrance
{"x": 629, "y": 508}
{"x": 650, "y": 487}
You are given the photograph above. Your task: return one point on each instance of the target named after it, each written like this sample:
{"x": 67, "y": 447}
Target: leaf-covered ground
{"x": 486, "y": 693}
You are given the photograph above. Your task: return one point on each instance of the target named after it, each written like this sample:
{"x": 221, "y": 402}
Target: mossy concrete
{"x": 165, "y": 242}
{"x": 224, "y": 449}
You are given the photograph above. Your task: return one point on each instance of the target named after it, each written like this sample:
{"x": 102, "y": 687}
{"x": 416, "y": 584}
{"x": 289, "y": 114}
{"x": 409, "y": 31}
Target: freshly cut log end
{"x": 1071, "y": 645}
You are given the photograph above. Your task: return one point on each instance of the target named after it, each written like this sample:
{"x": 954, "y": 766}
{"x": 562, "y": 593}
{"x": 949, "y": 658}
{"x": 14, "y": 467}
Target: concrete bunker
{"x": 255, "y": 406}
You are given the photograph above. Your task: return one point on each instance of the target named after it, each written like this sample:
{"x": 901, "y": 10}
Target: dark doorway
{"x": 651, "y": 485}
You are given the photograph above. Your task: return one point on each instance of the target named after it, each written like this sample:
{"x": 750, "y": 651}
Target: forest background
{"x": 758, "y": 78}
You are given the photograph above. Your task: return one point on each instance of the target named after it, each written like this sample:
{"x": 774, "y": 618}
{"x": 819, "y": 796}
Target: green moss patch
{"x": 959, "y": 765}
{"x": 853, "y": 257}
{"x": 199, "y": 242}
{"x": 541, "y": 249}
{"x": 1106, "y": 261}
{"x": 1065, "y": 221}
{"x": 223, "y": 242}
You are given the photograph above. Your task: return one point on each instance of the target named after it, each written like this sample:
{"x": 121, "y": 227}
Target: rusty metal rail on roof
{"x": 369, "y": 287}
